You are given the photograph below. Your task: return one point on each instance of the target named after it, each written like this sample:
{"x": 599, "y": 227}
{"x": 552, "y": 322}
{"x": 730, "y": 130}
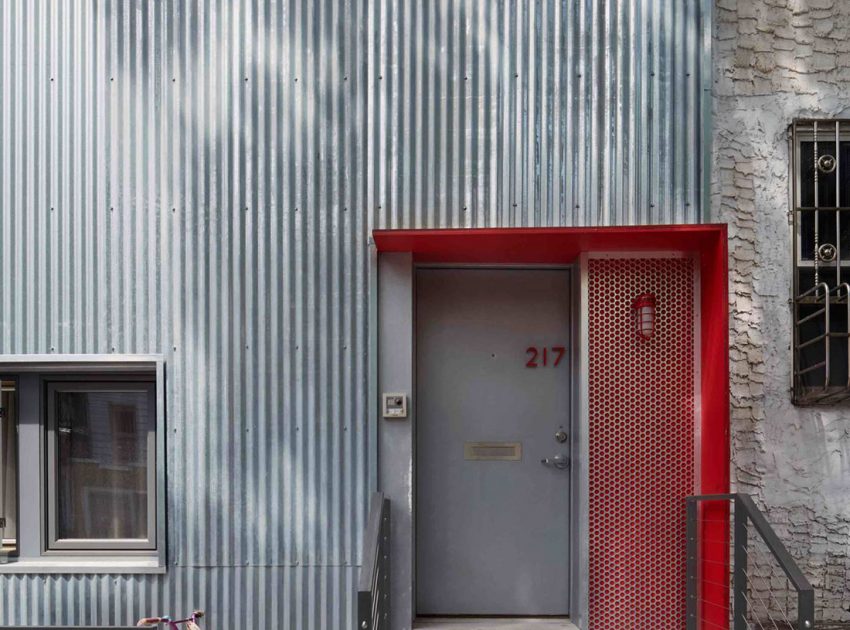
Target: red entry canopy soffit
{"x": 545, "y": 245}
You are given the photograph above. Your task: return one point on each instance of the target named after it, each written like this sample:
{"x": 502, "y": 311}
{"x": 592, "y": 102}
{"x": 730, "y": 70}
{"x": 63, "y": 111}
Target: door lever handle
{"x": 560, "y": 461}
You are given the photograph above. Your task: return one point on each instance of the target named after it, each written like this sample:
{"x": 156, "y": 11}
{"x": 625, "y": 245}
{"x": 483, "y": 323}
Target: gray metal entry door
{"x": 493, "y": 401}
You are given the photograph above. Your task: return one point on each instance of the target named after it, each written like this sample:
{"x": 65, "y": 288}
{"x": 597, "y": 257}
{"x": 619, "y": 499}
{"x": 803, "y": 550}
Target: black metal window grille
{"x": 820, "y": 215}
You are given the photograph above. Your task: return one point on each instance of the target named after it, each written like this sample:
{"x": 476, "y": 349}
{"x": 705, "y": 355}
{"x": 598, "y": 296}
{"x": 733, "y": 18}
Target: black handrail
{"x": 746, "y": 512}
{"x": 373, "y": 595}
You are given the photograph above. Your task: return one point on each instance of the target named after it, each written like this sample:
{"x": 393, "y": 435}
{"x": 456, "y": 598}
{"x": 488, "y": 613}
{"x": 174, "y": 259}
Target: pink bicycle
{"x": 173, "y": 624}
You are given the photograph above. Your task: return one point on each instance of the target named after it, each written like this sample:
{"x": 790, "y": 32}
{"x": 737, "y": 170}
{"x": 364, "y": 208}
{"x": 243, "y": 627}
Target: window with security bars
{"x": 821, "y": 243}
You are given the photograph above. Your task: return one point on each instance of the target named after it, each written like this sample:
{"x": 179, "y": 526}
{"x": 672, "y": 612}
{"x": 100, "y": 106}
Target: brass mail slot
{"x": 493, "y": 451}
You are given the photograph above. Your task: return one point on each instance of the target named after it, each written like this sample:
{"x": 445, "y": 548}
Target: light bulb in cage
{"x": 643, "y": 307}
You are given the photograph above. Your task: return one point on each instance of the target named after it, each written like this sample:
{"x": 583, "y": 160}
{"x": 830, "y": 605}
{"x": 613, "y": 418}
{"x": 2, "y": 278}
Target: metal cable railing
{"x": 765, "y": 589}
{"x": 373, "y": 588}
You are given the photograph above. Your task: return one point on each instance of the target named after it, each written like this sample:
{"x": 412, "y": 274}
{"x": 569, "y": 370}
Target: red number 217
{"x": 535, "y": 354}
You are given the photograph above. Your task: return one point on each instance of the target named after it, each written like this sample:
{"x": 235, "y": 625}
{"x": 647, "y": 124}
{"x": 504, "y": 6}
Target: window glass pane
{"x": 102, "y": 463}
{"x": 8, "y": 465}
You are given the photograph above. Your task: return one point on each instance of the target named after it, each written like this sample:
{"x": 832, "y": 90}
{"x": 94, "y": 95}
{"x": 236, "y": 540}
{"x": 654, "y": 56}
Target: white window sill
{"x": 79, "y": 564}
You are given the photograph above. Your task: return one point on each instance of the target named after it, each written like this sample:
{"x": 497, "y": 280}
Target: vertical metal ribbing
{"x": 739, "y": 577}
{"x": 692, "y": 565}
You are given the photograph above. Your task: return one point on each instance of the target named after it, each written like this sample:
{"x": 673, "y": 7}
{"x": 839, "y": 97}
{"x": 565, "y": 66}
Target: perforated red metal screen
{"x": 641, "y": 443}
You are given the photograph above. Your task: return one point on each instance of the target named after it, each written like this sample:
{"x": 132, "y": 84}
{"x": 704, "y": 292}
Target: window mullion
{"x": 30, "y": 444}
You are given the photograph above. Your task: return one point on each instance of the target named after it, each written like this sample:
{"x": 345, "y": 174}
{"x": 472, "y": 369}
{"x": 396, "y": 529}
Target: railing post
{"x": 806, "y": 609}
{"x": 739, "y": 577}
{"x": 364, "y": 610}
{"x": 385, "y": 544}
{"x": 692, "y": 551}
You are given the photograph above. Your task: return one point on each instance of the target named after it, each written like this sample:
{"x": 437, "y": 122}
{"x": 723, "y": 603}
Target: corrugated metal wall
{"x": 537, "y": 112}
{"x": 198, "y": 178}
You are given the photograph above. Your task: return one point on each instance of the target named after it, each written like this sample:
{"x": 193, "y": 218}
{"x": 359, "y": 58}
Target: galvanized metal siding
{"x": 537, "y": 113}
{"x": 198, "y": 178}
{"x": 185, "y": 178}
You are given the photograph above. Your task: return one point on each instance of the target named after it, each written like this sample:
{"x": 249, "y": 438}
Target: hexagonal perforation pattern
{"x": 642, "y": 462}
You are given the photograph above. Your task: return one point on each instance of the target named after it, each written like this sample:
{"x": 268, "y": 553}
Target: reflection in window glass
{"x": 102, "y": 464}
{"x": 8, "y": 466}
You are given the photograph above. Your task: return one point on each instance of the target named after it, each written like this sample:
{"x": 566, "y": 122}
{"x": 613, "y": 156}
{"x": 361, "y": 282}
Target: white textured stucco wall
{"x": 776, "y": 60}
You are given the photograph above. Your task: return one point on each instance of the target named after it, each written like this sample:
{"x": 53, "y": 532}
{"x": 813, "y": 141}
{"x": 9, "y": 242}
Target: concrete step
{"x": 485, "y": 623}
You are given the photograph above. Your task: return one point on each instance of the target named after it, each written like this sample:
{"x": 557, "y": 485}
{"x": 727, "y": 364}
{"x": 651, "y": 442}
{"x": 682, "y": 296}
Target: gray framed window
{"x": 100, "y": 456}
{"x": 82, "y": 480}
{"x": 8, "y": 467}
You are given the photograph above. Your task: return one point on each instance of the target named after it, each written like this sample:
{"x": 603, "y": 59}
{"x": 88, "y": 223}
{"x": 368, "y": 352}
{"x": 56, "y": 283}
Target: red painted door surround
{"x": 635, "y": 492}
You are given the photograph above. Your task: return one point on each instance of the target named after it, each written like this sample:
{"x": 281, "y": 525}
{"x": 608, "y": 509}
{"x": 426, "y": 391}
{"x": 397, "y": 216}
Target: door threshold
{"x": 495, "y": 623}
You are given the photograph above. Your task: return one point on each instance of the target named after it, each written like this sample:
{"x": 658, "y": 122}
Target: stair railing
{"x": 373, "y": 587}
{"x": 760, "y": 597}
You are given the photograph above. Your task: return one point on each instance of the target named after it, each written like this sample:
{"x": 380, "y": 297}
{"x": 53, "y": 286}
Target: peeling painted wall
{"x": 776, "y": 60}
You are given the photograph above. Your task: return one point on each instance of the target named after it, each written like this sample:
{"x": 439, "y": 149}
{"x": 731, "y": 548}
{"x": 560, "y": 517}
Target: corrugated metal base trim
{"x": 233, "y": 597}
